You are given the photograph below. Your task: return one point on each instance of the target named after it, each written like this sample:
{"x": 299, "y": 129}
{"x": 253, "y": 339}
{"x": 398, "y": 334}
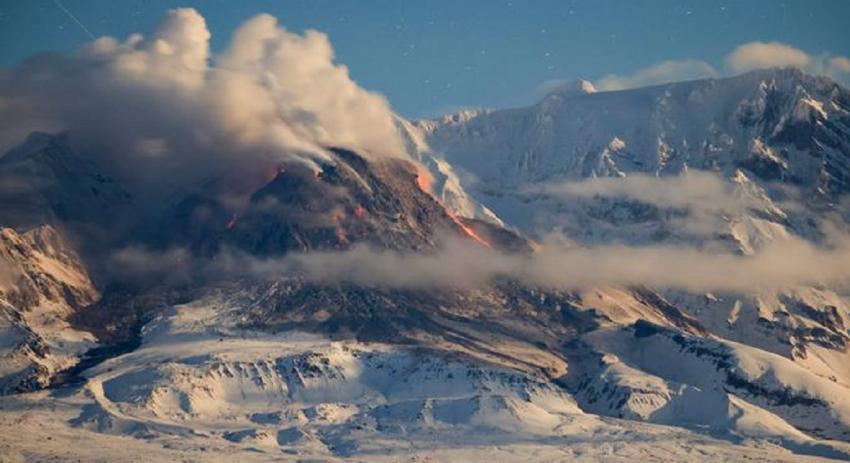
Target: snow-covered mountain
{"x": 776, "y": 141}
{"x": 779, "y": 124}
{"x": 42, "y": 283}
{"x": 763, "y": 131}
{"x": 194, "y": 364}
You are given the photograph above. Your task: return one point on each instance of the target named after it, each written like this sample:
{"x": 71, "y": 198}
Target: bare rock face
{"x": 348, "y": 200}
{"x": 352, "y": 200}
{"x": 42, "y": 282}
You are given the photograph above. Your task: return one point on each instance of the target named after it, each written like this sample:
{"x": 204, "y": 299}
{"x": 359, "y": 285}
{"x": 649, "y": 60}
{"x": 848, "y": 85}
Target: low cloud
{"x": 462, "y": 264}
{"x": 161, "y": 108}
{"x": 700, "y": 202}
{"x": 693, "y": 189}
{"x": 786, "y": 261}
{"x": 840, "y": 64}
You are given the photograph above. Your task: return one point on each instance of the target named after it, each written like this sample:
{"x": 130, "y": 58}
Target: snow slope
{"x": 200, "y": 387}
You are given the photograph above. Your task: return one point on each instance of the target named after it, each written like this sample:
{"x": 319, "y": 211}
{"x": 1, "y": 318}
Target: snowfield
{"x": 200, "y": 388}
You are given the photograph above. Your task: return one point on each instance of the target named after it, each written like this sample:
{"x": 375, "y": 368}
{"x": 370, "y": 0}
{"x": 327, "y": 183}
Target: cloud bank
{"x": 693, "y": 189}
{"x": 786, "y": 261}
{"x": 162, "y": 106}
{"x": 779, "y": 265}
{"x": 747, "y": 57}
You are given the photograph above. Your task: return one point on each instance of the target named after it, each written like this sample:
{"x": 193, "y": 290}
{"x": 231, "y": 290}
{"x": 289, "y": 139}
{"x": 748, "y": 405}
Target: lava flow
{"x": 425, "y": 180}
{"x": 469, "y": 231}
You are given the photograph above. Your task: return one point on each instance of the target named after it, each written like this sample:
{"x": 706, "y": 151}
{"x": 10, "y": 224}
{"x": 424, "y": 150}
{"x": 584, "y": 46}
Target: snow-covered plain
{"x": 199, "y": 388}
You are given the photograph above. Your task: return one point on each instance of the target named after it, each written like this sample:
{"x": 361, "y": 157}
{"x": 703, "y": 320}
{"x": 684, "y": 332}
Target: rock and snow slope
{"x": 761, "y": 132}
{"x": 200, "y": 387}
{"x": 767, "y": 155}
{"x": 780, "y": 124}
{"x": 42, "y": 282}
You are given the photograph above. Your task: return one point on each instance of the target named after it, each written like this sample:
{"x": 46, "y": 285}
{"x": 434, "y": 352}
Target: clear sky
{"x": 433, "y": 56}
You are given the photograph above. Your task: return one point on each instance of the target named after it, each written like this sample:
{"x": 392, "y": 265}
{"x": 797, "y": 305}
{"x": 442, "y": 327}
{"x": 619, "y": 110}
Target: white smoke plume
{"x": 159, "y": 108}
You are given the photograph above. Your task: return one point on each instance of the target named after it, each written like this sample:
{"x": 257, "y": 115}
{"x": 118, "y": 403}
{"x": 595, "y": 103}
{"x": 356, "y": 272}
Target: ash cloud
{"x": 161, "y": 111}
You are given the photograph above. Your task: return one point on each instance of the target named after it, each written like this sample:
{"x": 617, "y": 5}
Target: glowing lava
{"x": 424, "y": 179}
{"x": 469, "y": 231}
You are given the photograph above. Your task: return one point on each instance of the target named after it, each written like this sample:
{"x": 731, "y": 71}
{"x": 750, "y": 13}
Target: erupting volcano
{"x": 214, "y": 251}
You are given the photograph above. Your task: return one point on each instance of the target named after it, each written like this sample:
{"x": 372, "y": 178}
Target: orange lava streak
{"x": 469, "y": 231}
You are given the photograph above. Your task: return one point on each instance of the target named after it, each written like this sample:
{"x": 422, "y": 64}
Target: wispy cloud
{"x": 747, "y": 57}
{"x": 661, "y": 73}
{"x": 761, "y": 55}
{"x": 693, "y": 189}
{"x": 778, "y": 265}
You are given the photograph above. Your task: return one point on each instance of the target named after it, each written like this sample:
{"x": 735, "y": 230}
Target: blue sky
{"x": 432, "y": 56}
